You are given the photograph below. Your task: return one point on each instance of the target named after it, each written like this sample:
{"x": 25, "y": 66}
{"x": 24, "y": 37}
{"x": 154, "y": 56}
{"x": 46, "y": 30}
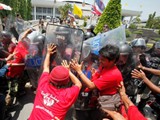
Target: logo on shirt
{"x": 49, "y": 99}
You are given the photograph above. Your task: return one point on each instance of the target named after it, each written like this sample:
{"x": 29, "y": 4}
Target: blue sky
{"x": 146, "y": 6}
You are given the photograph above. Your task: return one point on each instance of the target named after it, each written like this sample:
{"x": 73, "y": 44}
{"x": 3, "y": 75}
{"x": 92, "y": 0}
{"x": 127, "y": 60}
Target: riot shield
{"x": 68, "y": 41}
{"x": 115, "y": 37}
{"x": 11, "y": 26}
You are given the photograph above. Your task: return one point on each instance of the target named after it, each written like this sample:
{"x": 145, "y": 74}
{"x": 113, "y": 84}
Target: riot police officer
{"x": 152, "y": 62}
{"x": 89, "y": 32}
{"x": 126, "y": 64}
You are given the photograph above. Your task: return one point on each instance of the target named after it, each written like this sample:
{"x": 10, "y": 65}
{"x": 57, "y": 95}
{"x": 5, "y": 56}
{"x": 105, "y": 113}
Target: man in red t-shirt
{"x": 106, "y": 79}
{"x": 53, "y": 98}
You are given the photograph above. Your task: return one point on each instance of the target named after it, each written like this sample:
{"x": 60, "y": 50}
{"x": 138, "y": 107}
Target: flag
{"x": 99, "y": 7}
{"x": 70, "y": 14}
{"x": 93, "y": 10}
{"x": 77, "y": 10}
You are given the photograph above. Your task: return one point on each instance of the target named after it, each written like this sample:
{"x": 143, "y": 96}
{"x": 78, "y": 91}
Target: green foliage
{"x": 159, "y": 31}
{"x": 23, "y": 7}
{"x": 156, "y": 23}
{"x": 150, "y": 20}
{"x": 137, "y": 19}
{"x": 84, "y": 24}
{"x": 110, "y": 16}
{"x": 64, "y": 10}
{"x": 132, "y": 26}
{"x": 128, "y": 33}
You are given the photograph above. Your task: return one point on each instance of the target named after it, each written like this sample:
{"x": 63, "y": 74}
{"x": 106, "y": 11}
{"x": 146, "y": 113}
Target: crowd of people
{"x": 101, "y": 87}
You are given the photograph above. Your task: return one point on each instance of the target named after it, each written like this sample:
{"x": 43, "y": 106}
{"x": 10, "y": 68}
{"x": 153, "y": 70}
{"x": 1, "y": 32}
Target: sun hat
{"x": 59, "y": 75}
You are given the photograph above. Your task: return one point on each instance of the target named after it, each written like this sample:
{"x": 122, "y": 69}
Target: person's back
{"x": 53, "y": 98}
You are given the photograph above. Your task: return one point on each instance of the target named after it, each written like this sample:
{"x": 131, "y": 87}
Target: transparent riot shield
{"x": 91, "y": 46}
{"x": 11, "y": 26}
{"x": 68, "y": 41}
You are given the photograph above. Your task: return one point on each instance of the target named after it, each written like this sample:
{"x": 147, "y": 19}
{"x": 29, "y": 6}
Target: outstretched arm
{"x": 141, "y": 75}
{"x": 78, "y": 68}
{"x": 127, "y": 102}
{"x": 51, "y": 49}
{"x": 152, "y": 70}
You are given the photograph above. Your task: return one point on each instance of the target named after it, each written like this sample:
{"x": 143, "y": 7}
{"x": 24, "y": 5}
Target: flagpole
{"x": 92, "y": 14}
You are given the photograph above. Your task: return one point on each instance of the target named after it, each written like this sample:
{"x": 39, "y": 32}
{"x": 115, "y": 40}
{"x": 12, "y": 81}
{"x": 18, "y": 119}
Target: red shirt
{"x": 134, "y": 114}
{"x": 107, "y": 81}
{"x": 50, "y": 102}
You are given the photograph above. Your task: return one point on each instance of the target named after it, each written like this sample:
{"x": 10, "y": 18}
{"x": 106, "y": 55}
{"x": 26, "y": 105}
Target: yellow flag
{"x": 77, "y": 10}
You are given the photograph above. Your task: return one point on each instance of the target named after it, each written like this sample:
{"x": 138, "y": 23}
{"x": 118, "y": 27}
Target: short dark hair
{"x": 111, "y": 52}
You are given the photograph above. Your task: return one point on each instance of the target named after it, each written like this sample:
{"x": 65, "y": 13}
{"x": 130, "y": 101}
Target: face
{"x": 122, "y": 59}
{"x": 104, "y": 62}
{"x": 105, "y": 28}
{"x": 138, "y": 49}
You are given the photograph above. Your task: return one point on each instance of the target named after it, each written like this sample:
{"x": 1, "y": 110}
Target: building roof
{"x": 126, "y": 13}
{"x": 52, "y": 3}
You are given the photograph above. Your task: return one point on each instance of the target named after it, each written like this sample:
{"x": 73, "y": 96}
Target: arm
{"x": 77, "y": 67}
{"x": 141, "y": 75}
{"x": 3, "y": 70}
{"x": 127, "y": 102}
{"x": 153, "y": 71}
{"x": 28, "y": 31}
{"x": 114, "y": 115}
{"x": 51, "y": 49}
{"x": 74, "y": 79}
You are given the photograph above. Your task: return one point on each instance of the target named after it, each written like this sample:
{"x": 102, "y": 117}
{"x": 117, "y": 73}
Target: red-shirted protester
{"x": 106, "y": 79}
{"x": 53, "y": 97}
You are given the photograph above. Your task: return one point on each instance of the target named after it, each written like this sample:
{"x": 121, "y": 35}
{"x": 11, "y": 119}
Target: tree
{"x": 150, "y": 20}
{"x": 64, "y": 10}
{"x": 23, "y": 7}
{"x": 110, "y": 16}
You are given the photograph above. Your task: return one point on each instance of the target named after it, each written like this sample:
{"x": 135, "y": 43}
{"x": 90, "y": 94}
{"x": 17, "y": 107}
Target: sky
{"x": 146, "y": 6}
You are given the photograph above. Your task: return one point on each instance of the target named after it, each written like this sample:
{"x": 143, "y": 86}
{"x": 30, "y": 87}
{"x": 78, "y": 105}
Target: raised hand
{"x": 65, "y": 64}
{"x": 51, "y": 48}
{"x": 75, "y": 65}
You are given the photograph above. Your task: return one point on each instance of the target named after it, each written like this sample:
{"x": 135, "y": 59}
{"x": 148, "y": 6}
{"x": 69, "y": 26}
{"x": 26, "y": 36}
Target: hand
{"x": 121, "y": 89}
{"x": 138, "y": 74}
{"x": 51, "y": 48}
{"x": 114, "y": 115}
{"x": 65, "y": 64}
{"x": 74, "y": 64}
{"x": 140, "y": 66}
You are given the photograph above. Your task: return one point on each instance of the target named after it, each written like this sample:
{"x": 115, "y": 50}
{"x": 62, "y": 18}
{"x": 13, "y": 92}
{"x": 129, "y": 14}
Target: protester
{"x": 53, "y": 98}
{"x": 106, "y": 79}
{"x": 141, "y": 75}
{"x": 132, "y": 111}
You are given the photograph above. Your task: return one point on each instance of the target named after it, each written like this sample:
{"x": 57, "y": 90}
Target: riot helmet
{"x": 138, "y": 45}
{"x": 62, "y": 35}
{"x": 125, "y": 49}
{"x": 125, "y": 53}
{"x": 155, "y": 50}
{"x": 89, "y": 35}
{"x": 5, "y": 37}
{"x": 39, "y": 39}
{"x": 90, "y": 27}
{"x": 138, "y": 42}
{"x": 157, "y": 45}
